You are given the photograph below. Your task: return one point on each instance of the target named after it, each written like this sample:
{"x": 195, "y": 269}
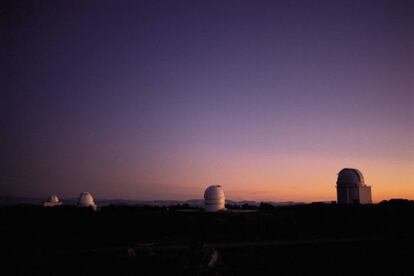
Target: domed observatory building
{"x": 86, "y": 200}
{"x": 214, "y": 199}
{"x": 351, "y": 188}
{"x": 52, "y": 201}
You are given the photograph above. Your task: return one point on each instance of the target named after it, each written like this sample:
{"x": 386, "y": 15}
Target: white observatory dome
{"x": 52, "y": 201}
{"x": 214, "y": 199}
{"x": 86, "y": 200}
{"x": 350, "y": 177}
{"x": 351, "y": 188}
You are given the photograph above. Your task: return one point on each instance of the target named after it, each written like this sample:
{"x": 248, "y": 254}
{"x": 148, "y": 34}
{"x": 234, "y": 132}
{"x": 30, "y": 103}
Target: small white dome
{"x": 53, "y": 199}
{"x": 350, "y": 177}
{"x": 214, "y": 198}
{"x": 86, "y": 200}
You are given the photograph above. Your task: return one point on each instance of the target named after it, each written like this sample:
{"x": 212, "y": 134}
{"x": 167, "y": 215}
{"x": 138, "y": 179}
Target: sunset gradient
{"x": 160, "y": 99}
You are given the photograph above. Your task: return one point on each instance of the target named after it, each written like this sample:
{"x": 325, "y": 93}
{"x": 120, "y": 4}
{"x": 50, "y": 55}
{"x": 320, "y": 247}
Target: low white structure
{"x": 52, "y": 201}
{"x": 86, "y": 200}
{"x": 214, "y": 199}
{"x": 351, "y": 187}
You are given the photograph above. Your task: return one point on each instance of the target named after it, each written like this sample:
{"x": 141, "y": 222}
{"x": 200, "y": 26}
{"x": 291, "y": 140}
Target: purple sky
{"x": 158, "y": 99}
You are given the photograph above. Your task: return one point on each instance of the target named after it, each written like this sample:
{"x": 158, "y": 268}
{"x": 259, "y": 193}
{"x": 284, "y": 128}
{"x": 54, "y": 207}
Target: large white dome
{"x": 350, "y": 177}
{"x": 214, "y": 199}
{"x": 86, "y": 200}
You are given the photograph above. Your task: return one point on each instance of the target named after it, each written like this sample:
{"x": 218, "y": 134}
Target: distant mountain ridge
{"x": 13, "y": 200}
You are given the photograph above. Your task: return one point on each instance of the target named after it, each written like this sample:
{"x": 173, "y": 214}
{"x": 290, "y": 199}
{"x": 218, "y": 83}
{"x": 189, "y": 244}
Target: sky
{"x": 159, "y": 99}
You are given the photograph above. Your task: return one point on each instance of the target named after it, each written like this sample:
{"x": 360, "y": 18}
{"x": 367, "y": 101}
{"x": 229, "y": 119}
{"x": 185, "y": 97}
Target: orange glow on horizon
{"x": 280, "y": 178}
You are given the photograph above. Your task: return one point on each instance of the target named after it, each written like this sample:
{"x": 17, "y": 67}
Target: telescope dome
{"x": 350, "y": 177}
{"x": 86, "y": 200}
{"x": 214, "y": 199}
{"x": 53, "y": 200}
{"x": 351, "y": 188}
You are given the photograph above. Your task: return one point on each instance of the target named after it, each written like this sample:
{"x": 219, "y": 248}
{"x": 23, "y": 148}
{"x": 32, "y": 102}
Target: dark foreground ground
{"x": 298, "y": 240}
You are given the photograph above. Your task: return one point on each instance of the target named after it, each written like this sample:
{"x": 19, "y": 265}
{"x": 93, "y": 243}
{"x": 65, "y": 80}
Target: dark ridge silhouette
{"x": 397, "y": 202}
{"x": 180, "y": 240}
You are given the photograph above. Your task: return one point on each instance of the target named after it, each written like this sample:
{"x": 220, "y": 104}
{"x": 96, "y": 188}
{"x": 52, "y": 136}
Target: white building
{"x": 52, "y": 201}
{"x": 214, "y": 199}
{"x": 86, "y": 200}
{"x": 351, "y": 187}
